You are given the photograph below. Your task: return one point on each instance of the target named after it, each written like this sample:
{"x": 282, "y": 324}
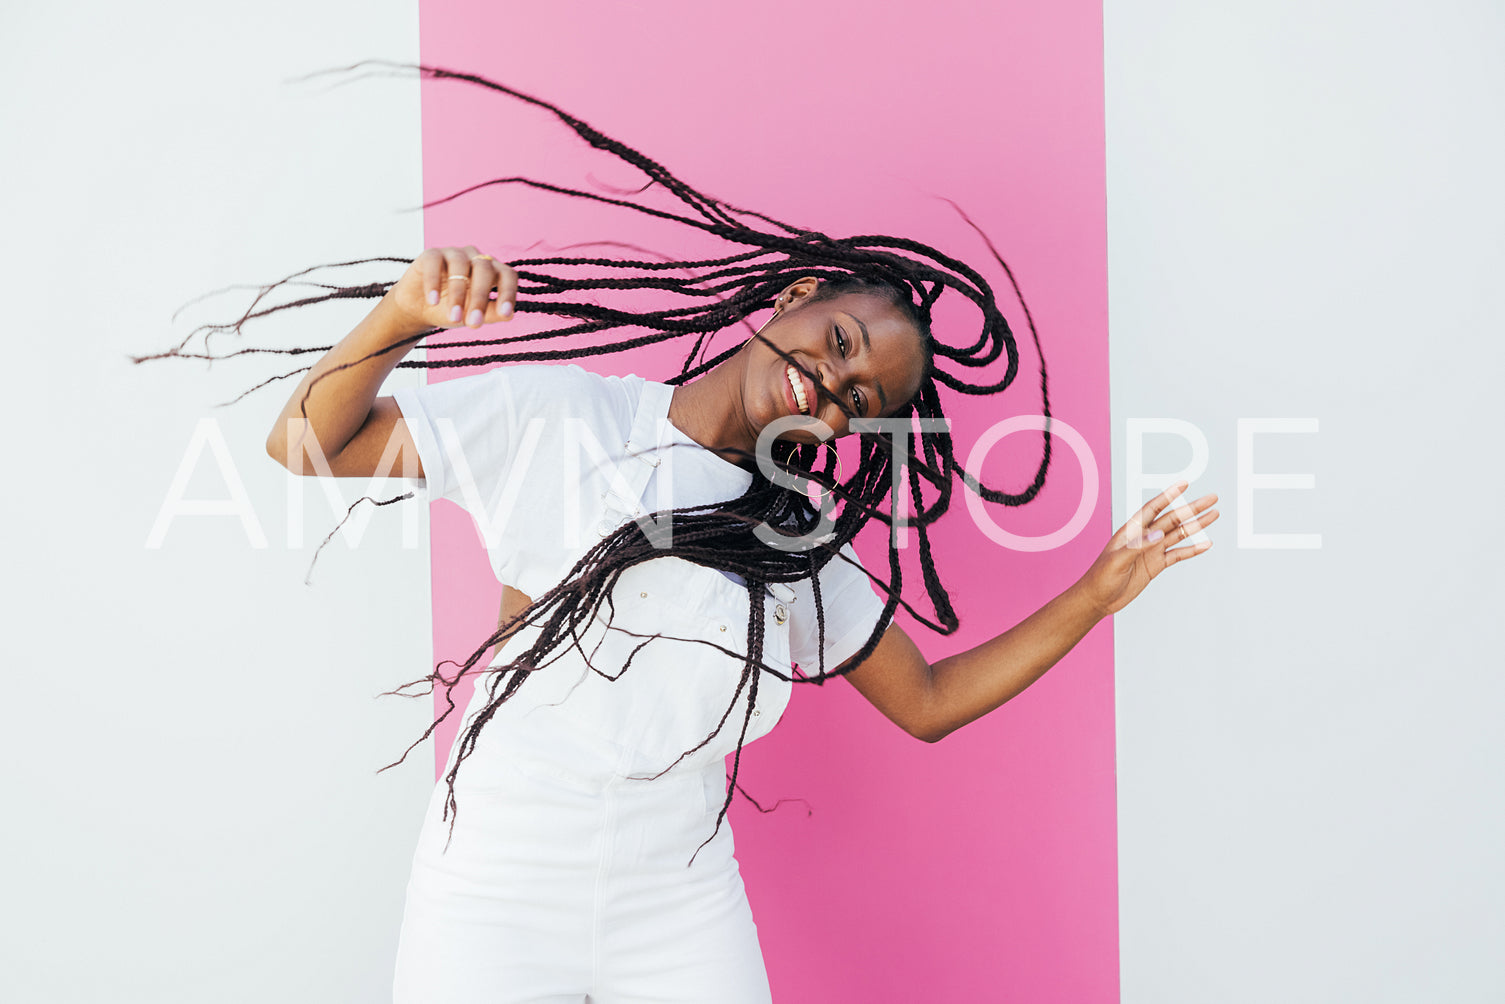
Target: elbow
{"x": 286, "y": 446}
{"x": 276, "y": 448}
{"x": 928, "y": 731}
{"x": 930, "y": 722}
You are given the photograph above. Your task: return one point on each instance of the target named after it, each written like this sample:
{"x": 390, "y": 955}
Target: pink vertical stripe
{"x": 984, "y": 867}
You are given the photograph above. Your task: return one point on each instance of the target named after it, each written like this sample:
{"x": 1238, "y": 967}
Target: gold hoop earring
{"x": 766, "y": 323}
{"x": 822, "y": 492}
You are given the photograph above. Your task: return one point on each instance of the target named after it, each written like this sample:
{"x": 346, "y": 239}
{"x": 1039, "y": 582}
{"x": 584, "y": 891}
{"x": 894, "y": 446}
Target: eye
{"x": 841, "y": 346}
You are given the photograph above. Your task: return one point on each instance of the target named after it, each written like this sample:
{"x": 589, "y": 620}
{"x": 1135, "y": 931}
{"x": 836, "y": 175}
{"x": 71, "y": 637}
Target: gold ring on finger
{"x": 462, "y": 278}
{"x": 481, "y": 257}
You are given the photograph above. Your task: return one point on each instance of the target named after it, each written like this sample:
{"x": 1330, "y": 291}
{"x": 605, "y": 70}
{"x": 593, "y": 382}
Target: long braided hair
{"x": 693, "y": 301}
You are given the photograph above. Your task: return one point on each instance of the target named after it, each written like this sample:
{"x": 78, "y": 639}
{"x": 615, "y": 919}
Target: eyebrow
{"x": 867, "y": 346}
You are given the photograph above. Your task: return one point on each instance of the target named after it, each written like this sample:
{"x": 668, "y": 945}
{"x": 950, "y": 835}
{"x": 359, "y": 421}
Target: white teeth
{"x": 798, "y": 387}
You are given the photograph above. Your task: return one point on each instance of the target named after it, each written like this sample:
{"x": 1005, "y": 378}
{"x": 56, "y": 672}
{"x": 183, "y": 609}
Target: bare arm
{"x": 930, "y": 701}
{"x": 335, "y": 411}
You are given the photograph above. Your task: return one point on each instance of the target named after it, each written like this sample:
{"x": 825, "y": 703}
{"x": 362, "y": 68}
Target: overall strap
{"x": 639, "y": 458}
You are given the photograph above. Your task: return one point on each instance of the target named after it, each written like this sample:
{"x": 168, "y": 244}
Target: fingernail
{"x": 433, "y": 297}
{"x": 1153, "y": 536}
{"x": 474, "y": 320}
{"x": 505, "y": 310}
{"x": 454, "y": 313}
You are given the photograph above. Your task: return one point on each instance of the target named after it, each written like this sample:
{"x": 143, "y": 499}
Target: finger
{"x": 1167, "y": 521}
{"x": 1174, "y": 517}
{"x": 1180, "y": 534}
{"x": 501, "y": 308}
{"x": 1186, "y": 510}
{"x": 1155, "y": 506}
{"x": 1189, "y": 551}
{"x": 431, "y": 270}
{"x": 456, "y": 282}
{"x": 1139, "y": 524}
{"x": 482, "y": 279}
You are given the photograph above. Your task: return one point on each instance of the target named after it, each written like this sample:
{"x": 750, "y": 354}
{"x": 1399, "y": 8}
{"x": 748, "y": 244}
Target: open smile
{"x": 800, "y": 392}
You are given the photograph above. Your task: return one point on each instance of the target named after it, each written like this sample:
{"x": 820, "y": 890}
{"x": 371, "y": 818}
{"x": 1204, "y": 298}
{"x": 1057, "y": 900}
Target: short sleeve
{"x": 852, "y": 609}
{"x": 473, "y": 431}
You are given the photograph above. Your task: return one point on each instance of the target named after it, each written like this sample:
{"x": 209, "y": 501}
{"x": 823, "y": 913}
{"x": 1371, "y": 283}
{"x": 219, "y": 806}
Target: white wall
{"x": 1304, "y": 222}
{"x": 191, "y": 810}
{"x": 1305, "y": 219}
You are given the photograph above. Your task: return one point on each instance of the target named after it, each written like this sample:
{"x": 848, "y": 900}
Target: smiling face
{"x": 864, "y": 350}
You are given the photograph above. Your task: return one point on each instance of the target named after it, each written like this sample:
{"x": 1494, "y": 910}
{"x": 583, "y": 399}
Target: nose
{"x": 834, "y": 377}
{"x": 828, "y": 378}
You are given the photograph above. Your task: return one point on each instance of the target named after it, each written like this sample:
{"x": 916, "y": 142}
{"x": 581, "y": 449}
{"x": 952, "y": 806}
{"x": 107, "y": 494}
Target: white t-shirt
{"x": 528, "y": 450}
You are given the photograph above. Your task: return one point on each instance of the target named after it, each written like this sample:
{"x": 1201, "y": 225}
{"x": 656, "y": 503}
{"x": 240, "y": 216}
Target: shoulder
{"x": 572, "y": 383}
{"x": 550, "y": 390}
{"x": 572, "y": 392}
{"x": 850, "y": 605}
{"x": 565, "y": 380}
{"x": 843, "y": 573}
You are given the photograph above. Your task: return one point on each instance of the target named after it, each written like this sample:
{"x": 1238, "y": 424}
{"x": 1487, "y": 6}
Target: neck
{"x": 704, "y": 411}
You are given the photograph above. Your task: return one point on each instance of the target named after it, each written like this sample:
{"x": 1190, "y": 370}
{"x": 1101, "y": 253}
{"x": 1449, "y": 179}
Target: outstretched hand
{"x": 1142, "y": 548}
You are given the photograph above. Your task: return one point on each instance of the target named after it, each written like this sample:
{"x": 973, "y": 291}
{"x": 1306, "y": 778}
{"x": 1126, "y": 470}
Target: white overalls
{"x": 568, "y": 876}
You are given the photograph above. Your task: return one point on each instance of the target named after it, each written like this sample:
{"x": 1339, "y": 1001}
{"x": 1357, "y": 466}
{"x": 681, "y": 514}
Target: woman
{"x": 666, "y": 578}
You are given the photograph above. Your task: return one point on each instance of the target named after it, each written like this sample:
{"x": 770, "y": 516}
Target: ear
{"x": 797, "y": 292}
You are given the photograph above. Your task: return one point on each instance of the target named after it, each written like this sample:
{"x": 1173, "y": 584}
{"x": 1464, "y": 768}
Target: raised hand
{"x": 1144, "y": 547}
{"x": 448, "y": 287}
